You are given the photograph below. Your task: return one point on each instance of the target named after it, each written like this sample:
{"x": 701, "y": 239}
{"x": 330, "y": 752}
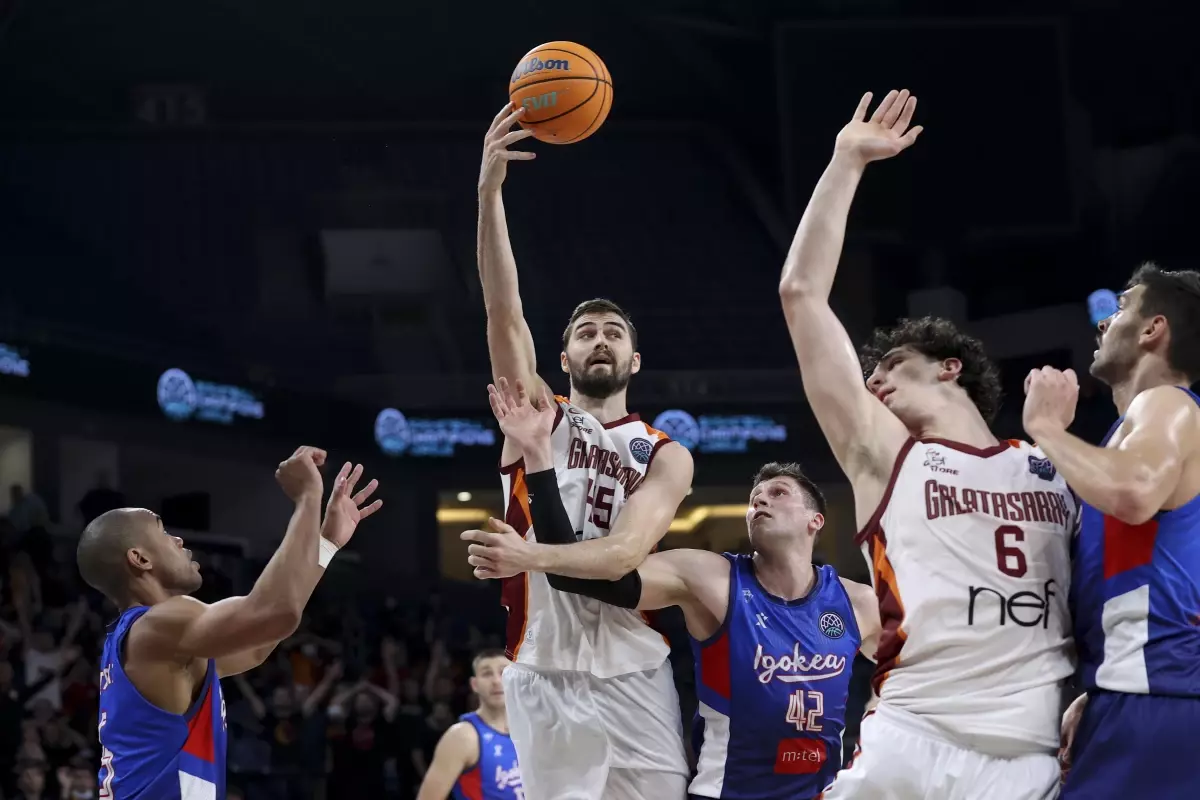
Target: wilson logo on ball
{"x": 536, "y": 64}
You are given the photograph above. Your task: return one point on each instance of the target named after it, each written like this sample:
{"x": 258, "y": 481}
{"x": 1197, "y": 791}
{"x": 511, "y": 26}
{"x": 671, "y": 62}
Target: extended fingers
{"x": 884, "y": 107}
{"x": 860, "y": 113}
{"x": 366, "y": 492}
{"x": 895, "y": 109}
{"x": 906, "y": 115}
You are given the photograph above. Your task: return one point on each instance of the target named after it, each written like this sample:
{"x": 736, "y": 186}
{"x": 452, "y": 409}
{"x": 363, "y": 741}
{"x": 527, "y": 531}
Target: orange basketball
{"x": 565, "y": 89}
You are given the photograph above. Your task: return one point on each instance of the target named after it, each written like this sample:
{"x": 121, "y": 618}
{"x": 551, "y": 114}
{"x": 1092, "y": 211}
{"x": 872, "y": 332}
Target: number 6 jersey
{"x": 598, "y": 466}
{"x": 969, "y": 553}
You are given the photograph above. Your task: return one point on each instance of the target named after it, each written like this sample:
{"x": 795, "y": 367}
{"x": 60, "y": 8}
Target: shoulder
{"x": 699, "y": 562}
{"x": 461, "y": 740}
{"x": 1161, "y": 400}
{"x": 156, "y": 633}
{"x": 859, "y": 593}
{"x": 671, "y": 461}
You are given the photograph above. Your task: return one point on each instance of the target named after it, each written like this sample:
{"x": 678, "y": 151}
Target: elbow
{"x": 624, "y": 559}
{"x": 1133, "y": 505}
{"x": 280, "y": 622}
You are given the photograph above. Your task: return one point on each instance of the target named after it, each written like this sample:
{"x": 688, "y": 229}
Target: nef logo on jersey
{"x": 641, "y": 450}
{"x": 794, "y": 667}
{"x": 831, "y": 625}
{"x": 936, "y": 462}
{"x": 1025, "y": 609}
{"x": 1042, "y": 468}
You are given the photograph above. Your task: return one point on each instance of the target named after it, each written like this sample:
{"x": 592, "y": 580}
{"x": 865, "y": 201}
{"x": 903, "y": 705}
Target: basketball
{"x": 565, "y": 89}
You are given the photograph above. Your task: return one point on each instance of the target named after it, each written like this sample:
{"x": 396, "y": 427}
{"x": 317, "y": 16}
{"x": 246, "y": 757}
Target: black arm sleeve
{"x": 552, "y": 526}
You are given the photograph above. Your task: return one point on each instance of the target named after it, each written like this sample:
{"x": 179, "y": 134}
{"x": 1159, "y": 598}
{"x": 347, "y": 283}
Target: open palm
{"x": 526, "y": 421}
{"x": 885, "y": 134}
{"x": 345, "y": 508}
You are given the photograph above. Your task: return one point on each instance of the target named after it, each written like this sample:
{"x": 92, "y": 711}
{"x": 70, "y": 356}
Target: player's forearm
{"x": 292, "y": 574}
{"x": 817, "y": 247}
{"x": 607, "y": 558}
{"x": 497, "y": 264}
{"x": 1112, "y": 481}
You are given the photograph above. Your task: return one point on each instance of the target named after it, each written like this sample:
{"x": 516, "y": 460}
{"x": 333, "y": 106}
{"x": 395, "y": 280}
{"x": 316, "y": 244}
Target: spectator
{"x": 26, "y": 510}
{"x": 363, "y": 743}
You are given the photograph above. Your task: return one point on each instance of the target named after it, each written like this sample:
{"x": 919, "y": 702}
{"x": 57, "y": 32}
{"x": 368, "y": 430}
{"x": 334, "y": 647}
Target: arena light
{"x": 454, "y": 516}
{"x": 697, "y": 516}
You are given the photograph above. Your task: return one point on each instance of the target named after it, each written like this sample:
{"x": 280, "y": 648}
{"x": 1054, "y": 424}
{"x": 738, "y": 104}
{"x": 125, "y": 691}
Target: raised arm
{"x": 1139, "y": 476}
{"x": 183, "y": 627}
{"x": 866, "y": 614}
{"x": 510, "y": 344}
{"x": 456, "y": 752}
{"x": 862, "y": 433}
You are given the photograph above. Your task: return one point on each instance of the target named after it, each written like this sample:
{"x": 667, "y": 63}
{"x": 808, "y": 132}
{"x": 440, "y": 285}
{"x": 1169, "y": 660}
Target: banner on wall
{"x": 398, "y": 435}
{"x": 12, "y": 362}
{"x": 720, "y": 433}
{"x": 182, "y": 398}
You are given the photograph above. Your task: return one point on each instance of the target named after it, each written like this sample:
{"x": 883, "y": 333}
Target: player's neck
{"x": 958, "y": 420}
{"x": 1147, "y": 374}
{"x": 605, "y": 410}
{"x": 497, "y": 720}
{"x": 788, "y": 575}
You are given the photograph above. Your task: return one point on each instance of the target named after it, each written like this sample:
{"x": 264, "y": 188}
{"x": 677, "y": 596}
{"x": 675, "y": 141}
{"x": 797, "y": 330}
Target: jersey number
{"x": 106, "y": 759}
{"x": 600, "y": 501}
{"x": 805, "y": 719}
{"x": 1010, "y": 559}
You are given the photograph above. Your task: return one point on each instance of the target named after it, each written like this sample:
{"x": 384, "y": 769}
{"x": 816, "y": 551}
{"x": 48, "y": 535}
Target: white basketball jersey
{"x": 970, "y": 558}
{"x": 598, "y": 466}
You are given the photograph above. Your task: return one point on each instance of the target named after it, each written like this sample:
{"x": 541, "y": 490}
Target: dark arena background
{"x": 230, "y": 228}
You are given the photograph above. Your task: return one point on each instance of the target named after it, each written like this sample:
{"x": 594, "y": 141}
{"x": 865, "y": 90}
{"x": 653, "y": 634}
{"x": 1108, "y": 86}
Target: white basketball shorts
{"x": 579, "y": 737}
{"x": 897, "y": 761}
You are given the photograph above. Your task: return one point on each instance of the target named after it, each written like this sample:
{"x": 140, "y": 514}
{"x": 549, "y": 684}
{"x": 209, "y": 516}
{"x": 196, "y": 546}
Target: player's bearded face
{"x": 1117, "y": 346}
{"x": 600, "y": 357}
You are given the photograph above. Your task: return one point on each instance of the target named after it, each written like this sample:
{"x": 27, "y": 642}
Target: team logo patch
{"x": 832, "y": 626}
{"x": 1042, "y": 468}
{"x": 641, "y": 450}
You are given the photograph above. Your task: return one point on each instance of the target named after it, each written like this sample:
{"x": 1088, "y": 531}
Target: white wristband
{"x": 328, "y": 551}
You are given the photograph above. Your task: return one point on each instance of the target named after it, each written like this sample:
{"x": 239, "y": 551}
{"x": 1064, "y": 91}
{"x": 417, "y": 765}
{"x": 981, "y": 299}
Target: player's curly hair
{"x": 940, "y": 339}
{"x": 1175, "y": 295}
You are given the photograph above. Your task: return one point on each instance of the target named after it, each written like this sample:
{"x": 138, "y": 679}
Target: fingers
{"x": 515, "y": 136}
{"x": 486, "y": 574}
{"x": 547, "y": 397}
{"x": 522, "y": 395}
{"x": 363, "y": 513}
{"x": 906, "y": 115}
{"x": 496, "y": 400}
{"x": 506, "y": 122}
{"x": 1071, "y": 377}
{"x": 884, "y": 107}
{"x": 474, "y": 536}
{"x": 339, "y": 484}
{"x": 898, "y": 101}
{"x": 366, "y": 492}
{"x": 352, "y": 479}
{"x": 860, "y": 113}
{"x": 516, "y": 155}
{"x": 506, "y": 112}
{"x": 907, "y": 139}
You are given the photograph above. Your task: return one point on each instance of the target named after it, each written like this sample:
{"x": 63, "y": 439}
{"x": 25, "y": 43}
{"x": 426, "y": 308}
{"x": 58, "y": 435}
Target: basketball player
{"x": 1135, "y": 592}
{"x": 162, "y": 716}
{"x": 774, "y": 637}
{"x": 475, "y": 758}
{"x": 967, "y": 536}
{"x": 591, "y": 703}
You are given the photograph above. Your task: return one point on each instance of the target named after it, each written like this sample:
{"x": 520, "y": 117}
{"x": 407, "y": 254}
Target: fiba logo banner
{"x": 726, "y": 433}
{"x": 831, "y": 625}
{"x": 176, "y": 394}
{"x": 182, "y": 398}
{"x": 680, "y": 426}
{"x": 641, "y": 450}
{"x": 399, "y": 435}
{"x": 391, "y": 432}
{"x": 12, "y": 363}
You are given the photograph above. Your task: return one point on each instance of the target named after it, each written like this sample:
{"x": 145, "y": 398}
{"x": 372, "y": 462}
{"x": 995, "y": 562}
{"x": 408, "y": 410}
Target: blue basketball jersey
{"x": 1135, "y": 596}
{"x": 496, "y": 776}
{"x": 772, "y": 685}
{"x": 151, "y": 754}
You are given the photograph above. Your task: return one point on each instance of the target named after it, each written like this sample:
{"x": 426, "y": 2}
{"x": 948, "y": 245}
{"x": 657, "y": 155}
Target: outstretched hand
{"x": 345, "y": 508}
{"x": 497, "y": 551}
{"x": 525, "y": 421}
{"x": 496, "y": 154}
{"x": 299, "y": 475}
{"x": 885, "y": 134}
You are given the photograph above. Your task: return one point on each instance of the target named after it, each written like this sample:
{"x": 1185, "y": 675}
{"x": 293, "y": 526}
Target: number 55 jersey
{"x": 969, "y": 552}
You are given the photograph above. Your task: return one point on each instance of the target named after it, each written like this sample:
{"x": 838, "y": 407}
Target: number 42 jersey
{"x": 969, "y": 552}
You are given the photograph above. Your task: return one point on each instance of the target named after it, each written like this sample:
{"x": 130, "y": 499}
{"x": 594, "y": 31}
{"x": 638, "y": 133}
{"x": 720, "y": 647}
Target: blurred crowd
{"x": 349, "y": 707}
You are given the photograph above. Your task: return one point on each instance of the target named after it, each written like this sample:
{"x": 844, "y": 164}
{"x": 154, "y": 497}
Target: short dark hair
{"x": 1176, "y": 296}
{"x": 777, "y": 469}
{"x": 599, "y": 305}
{"x": 940, "y": 339}
{"x": 484, "y": 655}
{"x": 101, "y": 552}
